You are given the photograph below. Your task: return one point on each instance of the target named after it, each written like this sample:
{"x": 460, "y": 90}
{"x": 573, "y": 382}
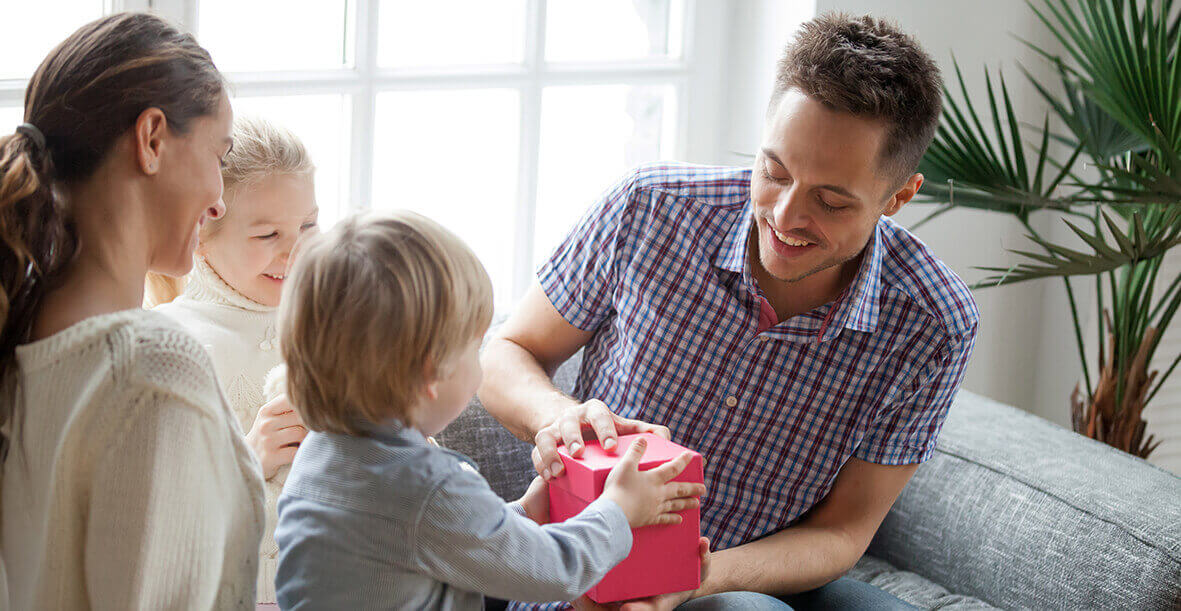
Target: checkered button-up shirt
{"x": 658, "y": 270}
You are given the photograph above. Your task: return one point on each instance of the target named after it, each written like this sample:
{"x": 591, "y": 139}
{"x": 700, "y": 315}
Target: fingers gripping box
{"x": 663, "y": 558}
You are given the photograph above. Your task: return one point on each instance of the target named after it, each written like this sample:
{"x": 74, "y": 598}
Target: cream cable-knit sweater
{"x": 239, "y": 334}
{"x": 130, "y": 485}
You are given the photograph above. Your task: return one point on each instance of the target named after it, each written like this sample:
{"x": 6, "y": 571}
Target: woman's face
{"x": 187, "y": 188}
{"x": 251, "y": 247}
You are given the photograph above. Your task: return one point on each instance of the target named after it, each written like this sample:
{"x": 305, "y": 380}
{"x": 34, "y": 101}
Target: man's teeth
{"x": 790, "y": 241}
{"x": 274, "y": 277}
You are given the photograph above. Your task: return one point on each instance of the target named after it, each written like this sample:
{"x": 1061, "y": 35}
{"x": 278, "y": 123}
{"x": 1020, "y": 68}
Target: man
{"x": 772, "y": 318}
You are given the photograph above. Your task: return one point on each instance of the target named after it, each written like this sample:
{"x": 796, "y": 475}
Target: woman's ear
{"x": 150, "y": 129}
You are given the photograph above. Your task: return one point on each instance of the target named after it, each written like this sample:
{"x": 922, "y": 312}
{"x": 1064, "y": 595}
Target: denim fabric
{"x": 843, "y": 594}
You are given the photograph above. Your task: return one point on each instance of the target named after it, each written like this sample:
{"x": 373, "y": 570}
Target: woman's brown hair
{"x": 87, "y": 92}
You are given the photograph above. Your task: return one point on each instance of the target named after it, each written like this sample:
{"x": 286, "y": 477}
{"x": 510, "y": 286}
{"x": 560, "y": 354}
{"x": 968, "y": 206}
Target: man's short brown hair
{"x": 368, "y": 308}
{"x": 869, "y": 68}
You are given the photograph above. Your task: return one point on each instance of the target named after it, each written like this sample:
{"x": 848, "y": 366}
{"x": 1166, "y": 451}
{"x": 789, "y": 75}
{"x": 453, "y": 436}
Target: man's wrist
{"x": 549, "y": 414}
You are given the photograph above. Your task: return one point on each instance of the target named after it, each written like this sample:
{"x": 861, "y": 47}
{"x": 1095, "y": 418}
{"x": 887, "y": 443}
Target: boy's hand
{"x": 649, "y": 497}
{"x": 275, "y": 435}
{"x": 536, "y": 501}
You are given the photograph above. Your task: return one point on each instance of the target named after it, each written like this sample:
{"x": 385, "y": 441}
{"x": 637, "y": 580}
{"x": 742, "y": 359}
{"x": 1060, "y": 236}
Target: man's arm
{"x": 517, "y": 389}
{"x": 820, "y": 548}
{"x": 519, "y": 360}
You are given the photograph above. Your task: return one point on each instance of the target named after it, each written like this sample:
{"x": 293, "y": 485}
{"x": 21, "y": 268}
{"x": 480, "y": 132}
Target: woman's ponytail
{"x": 36, "y": 239}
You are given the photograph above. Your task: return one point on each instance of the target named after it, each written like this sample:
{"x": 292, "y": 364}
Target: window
{"x": 502, "y": 119}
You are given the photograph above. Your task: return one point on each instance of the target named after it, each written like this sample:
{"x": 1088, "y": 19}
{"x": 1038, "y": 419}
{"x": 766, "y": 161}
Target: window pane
{"x": 10, "y": 116}
{"x": 322, "y": 123}
{"x": 33, "y": 29}
{"x": 608, "y": 30}
{"x": 262, "y": 35}
{"x": 591, "y": 136}
{"x": 413, "y": 33}
{"x": 452, "y": 156}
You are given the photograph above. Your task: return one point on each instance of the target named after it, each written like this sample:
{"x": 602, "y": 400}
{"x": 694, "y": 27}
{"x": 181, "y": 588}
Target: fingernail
{"x": 545, "y": 474}
{"x": 555, "y": 468}
{"x": 608, "y": 443}
{"x": 574, "y": 447}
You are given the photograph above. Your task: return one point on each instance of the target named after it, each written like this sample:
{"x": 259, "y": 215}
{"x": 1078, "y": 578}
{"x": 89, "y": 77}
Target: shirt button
{"x": 731, "y": 401}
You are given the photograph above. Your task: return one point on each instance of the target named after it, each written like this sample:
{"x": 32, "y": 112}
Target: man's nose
{"x": 790, "y": 208}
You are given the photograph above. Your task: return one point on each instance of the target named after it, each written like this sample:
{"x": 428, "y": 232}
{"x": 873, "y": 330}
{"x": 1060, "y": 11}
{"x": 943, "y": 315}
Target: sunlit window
{"x": 502, "y": 119}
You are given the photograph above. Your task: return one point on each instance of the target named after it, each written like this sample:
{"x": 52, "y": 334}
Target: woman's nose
{"x": 217, "y": 210}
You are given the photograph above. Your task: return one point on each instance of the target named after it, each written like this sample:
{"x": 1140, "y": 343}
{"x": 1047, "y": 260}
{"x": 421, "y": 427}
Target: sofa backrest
{"x": 1023, "y": 513}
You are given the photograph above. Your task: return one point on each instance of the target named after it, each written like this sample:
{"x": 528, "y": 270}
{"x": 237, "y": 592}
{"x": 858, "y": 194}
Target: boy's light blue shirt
{"x": 387, "y": 521}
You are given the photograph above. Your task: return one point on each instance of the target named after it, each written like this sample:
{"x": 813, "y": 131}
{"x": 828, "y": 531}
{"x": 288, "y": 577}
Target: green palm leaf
{"x": 1146, "y": 240}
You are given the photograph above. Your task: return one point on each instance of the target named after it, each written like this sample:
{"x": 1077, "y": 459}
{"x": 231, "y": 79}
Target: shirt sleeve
{"x": 159, "y": 517}
{"x": 905, "y": 432}
{"x": 468, "y": 537}
{"x": 580, "y": 276}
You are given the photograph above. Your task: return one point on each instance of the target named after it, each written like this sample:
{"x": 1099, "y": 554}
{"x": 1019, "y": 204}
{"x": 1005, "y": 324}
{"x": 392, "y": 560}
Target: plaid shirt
{"x": 658, "y": 270}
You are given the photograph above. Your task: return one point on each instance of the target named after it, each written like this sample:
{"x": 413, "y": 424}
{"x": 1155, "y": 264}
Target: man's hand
{"x": 590, "y": 420}
{"x": 663, "y": 602}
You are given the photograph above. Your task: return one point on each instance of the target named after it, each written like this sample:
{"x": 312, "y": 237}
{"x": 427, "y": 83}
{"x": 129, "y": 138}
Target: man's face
{"x": 817, "y": 190}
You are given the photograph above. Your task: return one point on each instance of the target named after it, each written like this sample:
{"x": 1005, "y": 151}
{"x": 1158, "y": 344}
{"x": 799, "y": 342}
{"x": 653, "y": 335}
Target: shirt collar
{"x": 856, "y": 308}
{"x": 731, "y": 255}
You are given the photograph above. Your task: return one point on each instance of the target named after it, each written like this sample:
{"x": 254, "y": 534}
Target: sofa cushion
{"x": 912, "y": 587}
{"x": 1022, "y": 513}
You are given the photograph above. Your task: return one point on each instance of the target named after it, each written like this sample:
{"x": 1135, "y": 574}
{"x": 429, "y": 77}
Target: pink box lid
{"x": 584, "y": 477}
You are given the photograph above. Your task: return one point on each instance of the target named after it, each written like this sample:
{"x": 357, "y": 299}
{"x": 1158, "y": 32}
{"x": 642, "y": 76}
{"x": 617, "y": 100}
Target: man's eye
{"x": 307, "y": 226}
{"x": 273, "y": 234}
{"x": 827, "y": 207}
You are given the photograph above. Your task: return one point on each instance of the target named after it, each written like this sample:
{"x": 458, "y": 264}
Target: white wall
{"x": 1025, "y": 351}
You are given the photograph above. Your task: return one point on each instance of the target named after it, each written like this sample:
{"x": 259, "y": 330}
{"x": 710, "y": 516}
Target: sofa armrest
{"x": 1022, "y": 513}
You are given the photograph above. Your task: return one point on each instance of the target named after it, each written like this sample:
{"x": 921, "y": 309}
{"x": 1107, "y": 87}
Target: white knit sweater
{"x": 240, "y": 336}
{"x": 129, "y": 485}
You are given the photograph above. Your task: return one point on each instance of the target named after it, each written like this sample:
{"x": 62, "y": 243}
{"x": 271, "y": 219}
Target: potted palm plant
{"x": 1116, "y": 186}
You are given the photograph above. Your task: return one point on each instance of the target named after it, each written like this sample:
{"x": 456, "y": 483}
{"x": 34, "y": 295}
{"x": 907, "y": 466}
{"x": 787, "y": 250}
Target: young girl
{"x": 229, "y": 299}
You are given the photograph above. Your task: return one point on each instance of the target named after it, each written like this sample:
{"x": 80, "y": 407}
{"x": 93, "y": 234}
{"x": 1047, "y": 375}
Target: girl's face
{"x": 251, "y": 247}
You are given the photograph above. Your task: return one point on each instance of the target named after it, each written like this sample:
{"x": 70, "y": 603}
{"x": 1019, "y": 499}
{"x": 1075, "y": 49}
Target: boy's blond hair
{"x": 261, "y": 149}
{"x": 371, "y": 308}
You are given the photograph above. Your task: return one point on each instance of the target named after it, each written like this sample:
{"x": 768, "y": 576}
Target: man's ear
{"x": 908, "y": 190}
{"x": 150, "y": 129}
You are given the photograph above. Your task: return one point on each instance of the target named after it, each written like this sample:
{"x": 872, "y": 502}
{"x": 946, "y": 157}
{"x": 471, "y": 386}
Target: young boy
{"x": 380, "y": 327}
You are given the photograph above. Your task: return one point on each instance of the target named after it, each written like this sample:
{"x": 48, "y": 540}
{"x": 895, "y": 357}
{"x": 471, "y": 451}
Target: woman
{"x": 126, "y": 482}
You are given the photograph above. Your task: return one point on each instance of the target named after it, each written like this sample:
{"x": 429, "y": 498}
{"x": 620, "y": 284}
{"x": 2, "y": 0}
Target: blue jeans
{"x": 843, "y": 594}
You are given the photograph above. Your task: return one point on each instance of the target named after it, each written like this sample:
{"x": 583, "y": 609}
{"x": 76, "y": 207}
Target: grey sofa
{"x": 1011, "y": 512}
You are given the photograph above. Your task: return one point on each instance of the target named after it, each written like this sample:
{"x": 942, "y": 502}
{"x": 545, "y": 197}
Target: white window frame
{"x": 695, "y": 76}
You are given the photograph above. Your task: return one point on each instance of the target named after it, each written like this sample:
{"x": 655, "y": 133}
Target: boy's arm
{"x": 467, "y": 536}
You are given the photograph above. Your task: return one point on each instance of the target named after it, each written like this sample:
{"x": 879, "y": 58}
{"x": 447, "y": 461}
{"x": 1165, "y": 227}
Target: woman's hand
{"x": 275, "y": 435}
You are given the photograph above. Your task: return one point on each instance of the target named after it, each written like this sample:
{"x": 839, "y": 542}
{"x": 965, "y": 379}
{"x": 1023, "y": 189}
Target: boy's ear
{"x": 430, "y": 376}
{"x": 431, "y": 390}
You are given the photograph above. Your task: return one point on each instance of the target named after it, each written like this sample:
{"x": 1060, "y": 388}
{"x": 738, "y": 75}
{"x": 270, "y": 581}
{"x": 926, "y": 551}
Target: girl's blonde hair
{"x": 261, "y": 149}
{"x": 370, "y": 309}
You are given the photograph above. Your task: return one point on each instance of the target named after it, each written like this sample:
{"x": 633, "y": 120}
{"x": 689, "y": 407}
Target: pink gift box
{"x": 663, "y": 559}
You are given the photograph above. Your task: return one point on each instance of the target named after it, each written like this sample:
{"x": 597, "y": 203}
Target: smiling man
{"x": 774, "y": 318}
